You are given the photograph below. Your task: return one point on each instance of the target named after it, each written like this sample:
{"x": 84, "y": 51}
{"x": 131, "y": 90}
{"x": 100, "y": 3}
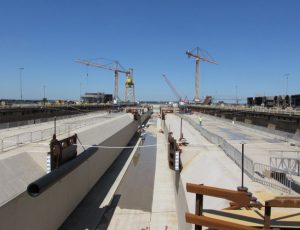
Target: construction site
{"x": 110, "y": 162}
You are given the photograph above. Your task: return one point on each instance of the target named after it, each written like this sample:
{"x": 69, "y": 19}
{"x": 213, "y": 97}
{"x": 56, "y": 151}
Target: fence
{"x": 275, "y": 110}
{"x": 288, "y": 161}
{"x": 264, "y": 174}
{"x": 34, "y": 136}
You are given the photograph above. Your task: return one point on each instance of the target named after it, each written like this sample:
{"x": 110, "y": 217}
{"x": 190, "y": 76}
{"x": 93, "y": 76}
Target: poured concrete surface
{"x": 136, "y": 188}
{"x": 29, "y": 160}
{"x": 147, "y": 201}
{"x": 205, "y": 163}
{"x": 258, "y": 145}
{"x": 50, "y": 209}
{"x": 89, "y": 214}
{"x": 164, "y": 215}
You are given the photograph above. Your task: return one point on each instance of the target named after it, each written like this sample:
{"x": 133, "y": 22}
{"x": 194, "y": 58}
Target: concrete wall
{"x": 51, "y": 208}
{"x": 180, "y": 191}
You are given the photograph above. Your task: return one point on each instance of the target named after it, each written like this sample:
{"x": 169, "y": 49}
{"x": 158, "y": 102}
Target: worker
{"x": 200, "y": 120}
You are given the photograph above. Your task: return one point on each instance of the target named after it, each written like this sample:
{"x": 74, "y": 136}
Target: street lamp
{"x": 80, "y": 91}
{"x": 287, "y": 82}
{"x": 21, "y": 69}
{"x": 44, "y": 89}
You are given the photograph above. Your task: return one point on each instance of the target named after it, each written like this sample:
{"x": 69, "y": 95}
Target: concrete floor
{"x": 137, "y": 214}
{"x": 26, "y": 162}
{"x": 259, "y": 146}
{"x": 206, "y": 163}
{"x": 146, "y": 193}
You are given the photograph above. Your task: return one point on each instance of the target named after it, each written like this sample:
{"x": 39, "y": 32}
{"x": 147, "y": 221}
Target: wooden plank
{"x": 240, "y": 198}
{"x": 214, "y": 223}
{"x": 284, "y": 202}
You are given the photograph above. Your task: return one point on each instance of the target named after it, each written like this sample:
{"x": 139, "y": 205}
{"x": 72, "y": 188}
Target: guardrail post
{"x": 243, "y": 165}
{"x": 199, "y": 208}
{"x": 2, "y": 145}
{"x": 17, "y": 140}
{"x": 298, "y": 161}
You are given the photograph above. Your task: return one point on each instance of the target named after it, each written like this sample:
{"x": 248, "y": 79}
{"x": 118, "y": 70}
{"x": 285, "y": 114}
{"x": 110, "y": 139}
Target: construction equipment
{"x": 129, "y": 88}
{"x": 116, "y": 68}
{"x": 180, "y": 99}
{"x": 204, "y": 56}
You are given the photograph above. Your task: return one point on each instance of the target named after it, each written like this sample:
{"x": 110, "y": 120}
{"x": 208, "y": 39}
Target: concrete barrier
{"x": 52, "y": 207}
{"x": 180, "y": 197}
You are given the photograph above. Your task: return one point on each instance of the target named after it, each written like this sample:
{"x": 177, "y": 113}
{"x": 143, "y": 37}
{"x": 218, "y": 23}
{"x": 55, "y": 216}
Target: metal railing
{"x": 275, "y": 110}
{"x": 34, "y": 136}
{"x": 287, "y": 161}
{"x": 264, "y": 174}
{"x": 274, "y": 177}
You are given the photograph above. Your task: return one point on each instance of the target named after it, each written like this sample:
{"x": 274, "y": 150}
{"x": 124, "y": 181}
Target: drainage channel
{"x": 135, "y": 192}
{"x": 88, "y": 213}
{"x": 136, "y": 188}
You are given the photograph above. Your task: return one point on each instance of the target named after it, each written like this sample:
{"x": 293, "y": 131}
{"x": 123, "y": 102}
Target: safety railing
{"x": 287, "y": 161}
{"x": 274, "y": 177}
{"x": 261, "y": 173}
{"x": 34, "y": 136}
{"x": 261, "y": 109}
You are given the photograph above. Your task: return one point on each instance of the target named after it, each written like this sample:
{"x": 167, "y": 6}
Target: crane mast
{"x": 198, "y": 58}
{"x": 103, "y": 66}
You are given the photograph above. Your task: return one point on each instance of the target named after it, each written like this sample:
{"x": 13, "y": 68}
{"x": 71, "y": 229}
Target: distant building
{"x": 97, "y": 98}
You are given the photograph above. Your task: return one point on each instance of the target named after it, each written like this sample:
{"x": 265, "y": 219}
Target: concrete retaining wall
{"x": 12, "y": 124}
{"x": 180, "y": 198}
{"x": 51, "y": 208}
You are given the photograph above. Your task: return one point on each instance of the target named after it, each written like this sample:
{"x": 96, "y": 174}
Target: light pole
{"x": 287, "y": 82}
{"x": 80, "y": 91}
{"x": 236, "y": 96}
{"x": 44, "y": 89}
{"x": 21, "y": 69}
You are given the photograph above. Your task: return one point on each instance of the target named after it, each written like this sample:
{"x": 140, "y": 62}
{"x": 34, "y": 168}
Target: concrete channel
{"x": 136, "y": 188}
{"x": 134, "y": 191}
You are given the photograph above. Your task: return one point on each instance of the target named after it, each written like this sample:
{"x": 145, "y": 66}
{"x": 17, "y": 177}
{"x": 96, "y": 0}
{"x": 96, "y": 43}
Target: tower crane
{"x": 174, "y": 90}
{"x": 204, "y": 57}
{"x": 114, "y": 68}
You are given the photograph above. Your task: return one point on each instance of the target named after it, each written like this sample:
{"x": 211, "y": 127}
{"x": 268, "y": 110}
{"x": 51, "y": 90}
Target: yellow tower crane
{"x": 129, "y": 88}
{"x": 114, "y": 68}
{"x": 199, "y": 57}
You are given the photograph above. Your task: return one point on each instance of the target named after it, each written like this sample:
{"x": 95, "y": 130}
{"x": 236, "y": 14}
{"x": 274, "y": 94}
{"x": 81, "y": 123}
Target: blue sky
{"x": 255, "y": 42}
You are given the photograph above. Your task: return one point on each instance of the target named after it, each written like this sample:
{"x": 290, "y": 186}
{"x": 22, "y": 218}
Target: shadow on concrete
{"x": 109, "y": 212}
{"x": 136, "y": 187}
{"x": 88, "y": 215}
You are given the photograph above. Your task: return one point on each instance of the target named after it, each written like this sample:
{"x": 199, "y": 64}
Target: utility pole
{"x": 21, "y": 93}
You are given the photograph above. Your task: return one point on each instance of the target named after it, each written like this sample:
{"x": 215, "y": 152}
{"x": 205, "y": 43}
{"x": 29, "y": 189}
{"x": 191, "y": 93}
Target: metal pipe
{"x": 40, "y": 185}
